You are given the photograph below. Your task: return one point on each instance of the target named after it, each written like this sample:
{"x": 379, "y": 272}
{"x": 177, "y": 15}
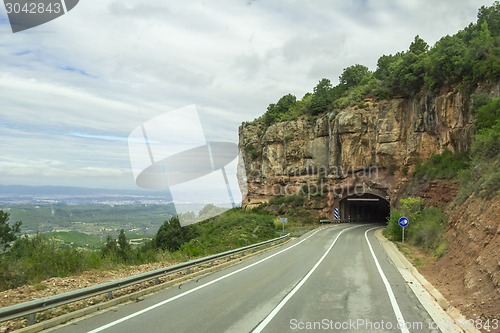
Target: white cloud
{"x": 70, "y": 89}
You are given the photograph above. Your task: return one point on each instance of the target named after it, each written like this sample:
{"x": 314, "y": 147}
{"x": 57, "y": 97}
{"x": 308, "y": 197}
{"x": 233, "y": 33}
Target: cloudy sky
{"x": 72, "y": 90}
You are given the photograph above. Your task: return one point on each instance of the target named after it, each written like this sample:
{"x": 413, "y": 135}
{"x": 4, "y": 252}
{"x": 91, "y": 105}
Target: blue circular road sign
{"x": 403, "y": 222}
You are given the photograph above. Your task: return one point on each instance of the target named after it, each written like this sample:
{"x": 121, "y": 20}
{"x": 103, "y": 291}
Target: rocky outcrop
{"x": 373, "y": 145}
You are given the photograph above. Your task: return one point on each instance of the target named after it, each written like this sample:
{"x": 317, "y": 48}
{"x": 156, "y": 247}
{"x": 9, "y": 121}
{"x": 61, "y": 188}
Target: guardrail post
{"x": 31, "y": 319}
{"x": 110, "y": 294}
{"x": 157, "y": 280}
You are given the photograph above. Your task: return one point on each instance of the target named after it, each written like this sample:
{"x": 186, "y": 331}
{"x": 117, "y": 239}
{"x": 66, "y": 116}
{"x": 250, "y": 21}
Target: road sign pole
{"x": 403, "y": 228}
{"x": 283, "y": 220}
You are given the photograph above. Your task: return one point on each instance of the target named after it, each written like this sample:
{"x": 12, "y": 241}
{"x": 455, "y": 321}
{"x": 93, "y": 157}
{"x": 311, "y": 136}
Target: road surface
{"x": 333, "y": 279}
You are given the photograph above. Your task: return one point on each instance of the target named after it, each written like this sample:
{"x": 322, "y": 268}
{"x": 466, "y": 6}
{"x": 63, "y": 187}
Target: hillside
{"x": 425, "y": 124}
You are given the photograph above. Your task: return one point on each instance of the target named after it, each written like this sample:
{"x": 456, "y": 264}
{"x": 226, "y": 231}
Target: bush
{"x": 8, "y": 233}
{"x": 290, "y": 200}
{"x": 425, "y": 228}
{"x": 38, "y": 258}
{"x": 171, "y": 236}
{"x": 251, "y": 151}
{"x": 426, "y": 232}
{"x": 232, "y": 229}
{"x": 446, "y": 165}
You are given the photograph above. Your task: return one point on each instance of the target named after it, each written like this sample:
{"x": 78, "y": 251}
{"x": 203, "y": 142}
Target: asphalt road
{"x": 325, "y": 281}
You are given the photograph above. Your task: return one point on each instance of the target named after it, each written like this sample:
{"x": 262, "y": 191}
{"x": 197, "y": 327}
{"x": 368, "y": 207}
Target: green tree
{"x": 110, "y": 247}
{"x": 280, "y": 110}
{"x": 303, "y": 106}
{"x": 447, "y": 61}
{"x": 412, "y": 69}
{"x": 418, "y": 46}
{"x": 385, "y": 67}
{"x": 491, "y": 15}
{"x": 353, "y": 75}
{"x": 171, "y": 235}
{"x": 8, "y": 233}
{"x": 483, "y": 55}
{"x": 322, "y": 97}
{"x": 123, "y": 246}
{"x": 388, "y": 67}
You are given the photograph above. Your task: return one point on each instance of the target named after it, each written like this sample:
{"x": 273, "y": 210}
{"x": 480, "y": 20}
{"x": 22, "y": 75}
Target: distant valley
{"x": 91, "y": 211}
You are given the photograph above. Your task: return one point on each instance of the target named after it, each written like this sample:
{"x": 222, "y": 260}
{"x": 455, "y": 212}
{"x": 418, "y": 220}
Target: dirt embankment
{"x": 468, "y": 275}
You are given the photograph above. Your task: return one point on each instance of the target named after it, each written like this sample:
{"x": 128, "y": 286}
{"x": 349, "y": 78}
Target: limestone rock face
{"x": 388, "y": 136}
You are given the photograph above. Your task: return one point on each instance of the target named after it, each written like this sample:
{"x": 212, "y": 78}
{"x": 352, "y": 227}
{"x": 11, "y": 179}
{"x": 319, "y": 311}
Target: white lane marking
{"x": 273, "y": 313}
{"x": 135, "y": 314}
{"x": 394, "y": 302}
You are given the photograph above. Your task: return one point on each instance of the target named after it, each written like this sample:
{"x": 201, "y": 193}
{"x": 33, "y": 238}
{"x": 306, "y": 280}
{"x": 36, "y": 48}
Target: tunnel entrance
{"x": 364, "y": 208}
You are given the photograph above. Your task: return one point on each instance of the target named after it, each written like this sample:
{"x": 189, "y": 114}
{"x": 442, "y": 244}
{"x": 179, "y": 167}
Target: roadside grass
{"x": 425, "y": 229}
{"x": 415, "y": 255}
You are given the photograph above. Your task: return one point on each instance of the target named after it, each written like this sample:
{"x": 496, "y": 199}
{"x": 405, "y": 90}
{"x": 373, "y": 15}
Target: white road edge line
{"x": 135, "y": 314}
{"x": 394, "y": 302}
{"x": 273, "y": 313}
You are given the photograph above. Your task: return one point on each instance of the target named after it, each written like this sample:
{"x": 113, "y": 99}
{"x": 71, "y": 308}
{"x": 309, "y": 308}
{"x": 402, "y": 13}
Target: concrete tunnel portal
{"x": 364, "y": 208}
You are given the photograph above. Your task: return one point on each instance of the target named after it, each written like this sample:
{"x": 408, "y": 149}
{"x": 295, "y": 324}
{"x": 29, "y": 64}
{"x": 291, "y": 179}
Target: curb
{"x": 447, "y": 317}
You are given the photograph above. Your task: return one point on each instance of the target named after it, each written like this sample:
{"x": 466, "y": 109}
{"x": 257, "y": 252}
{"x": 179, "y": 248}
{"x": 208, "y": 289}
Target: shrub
{"x": 425, "y": 228}
{"x": 291, "y": 200}
{"x": 171, "y": 235}
{"x": 251, "y": 151}
{"x": 8, "y": 233}
{"x": 446, "y": 165}
{"x": 426, "y": 232}
{"x": 37, "y": 258}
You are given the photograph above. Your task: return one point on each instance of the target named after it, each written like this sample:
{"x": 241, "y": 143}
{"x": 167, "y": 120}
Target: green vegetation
{"x": 171, "y": 236}
{"x": 232, "y": 229}
{"x": 7, "y": 232}
{"x": 77, "y": 239}
{"x": 31, "y": 259}
{"x": 483, "y": 175}
{"x": 96, "y": 219}
{"x": 251, "y": 151}
{"x": 465, "y": 59}
{"x": 446, "y": 165}
{"x": 425, "y": 228}
{"x": 294, "y": 208}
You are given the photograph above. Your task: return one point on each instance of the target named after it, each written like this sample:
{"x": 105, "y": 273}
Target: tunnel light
{"x": 362, "y": 199}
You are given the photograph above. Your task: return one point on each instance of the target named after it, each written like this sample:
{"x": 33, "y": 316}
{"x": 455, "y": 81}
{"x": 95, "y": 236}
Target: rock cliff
{"x": 370, "y": 147}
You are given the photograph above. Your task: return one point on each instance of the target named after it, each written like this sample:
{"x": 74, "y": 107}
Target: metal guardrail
{"x": 30, "y": 308}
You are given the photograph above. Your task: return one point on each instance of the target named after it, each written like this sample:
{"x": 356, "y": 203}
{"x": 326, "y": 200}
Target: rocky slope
{"x": 468, "y": 275}
{"x": 372, "y": 145}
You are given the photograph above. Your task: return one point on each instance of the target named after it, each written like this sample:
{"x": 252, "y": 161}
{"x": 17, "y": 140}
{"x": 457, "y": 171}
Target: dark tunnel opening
{"x": 365, "y": 208}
